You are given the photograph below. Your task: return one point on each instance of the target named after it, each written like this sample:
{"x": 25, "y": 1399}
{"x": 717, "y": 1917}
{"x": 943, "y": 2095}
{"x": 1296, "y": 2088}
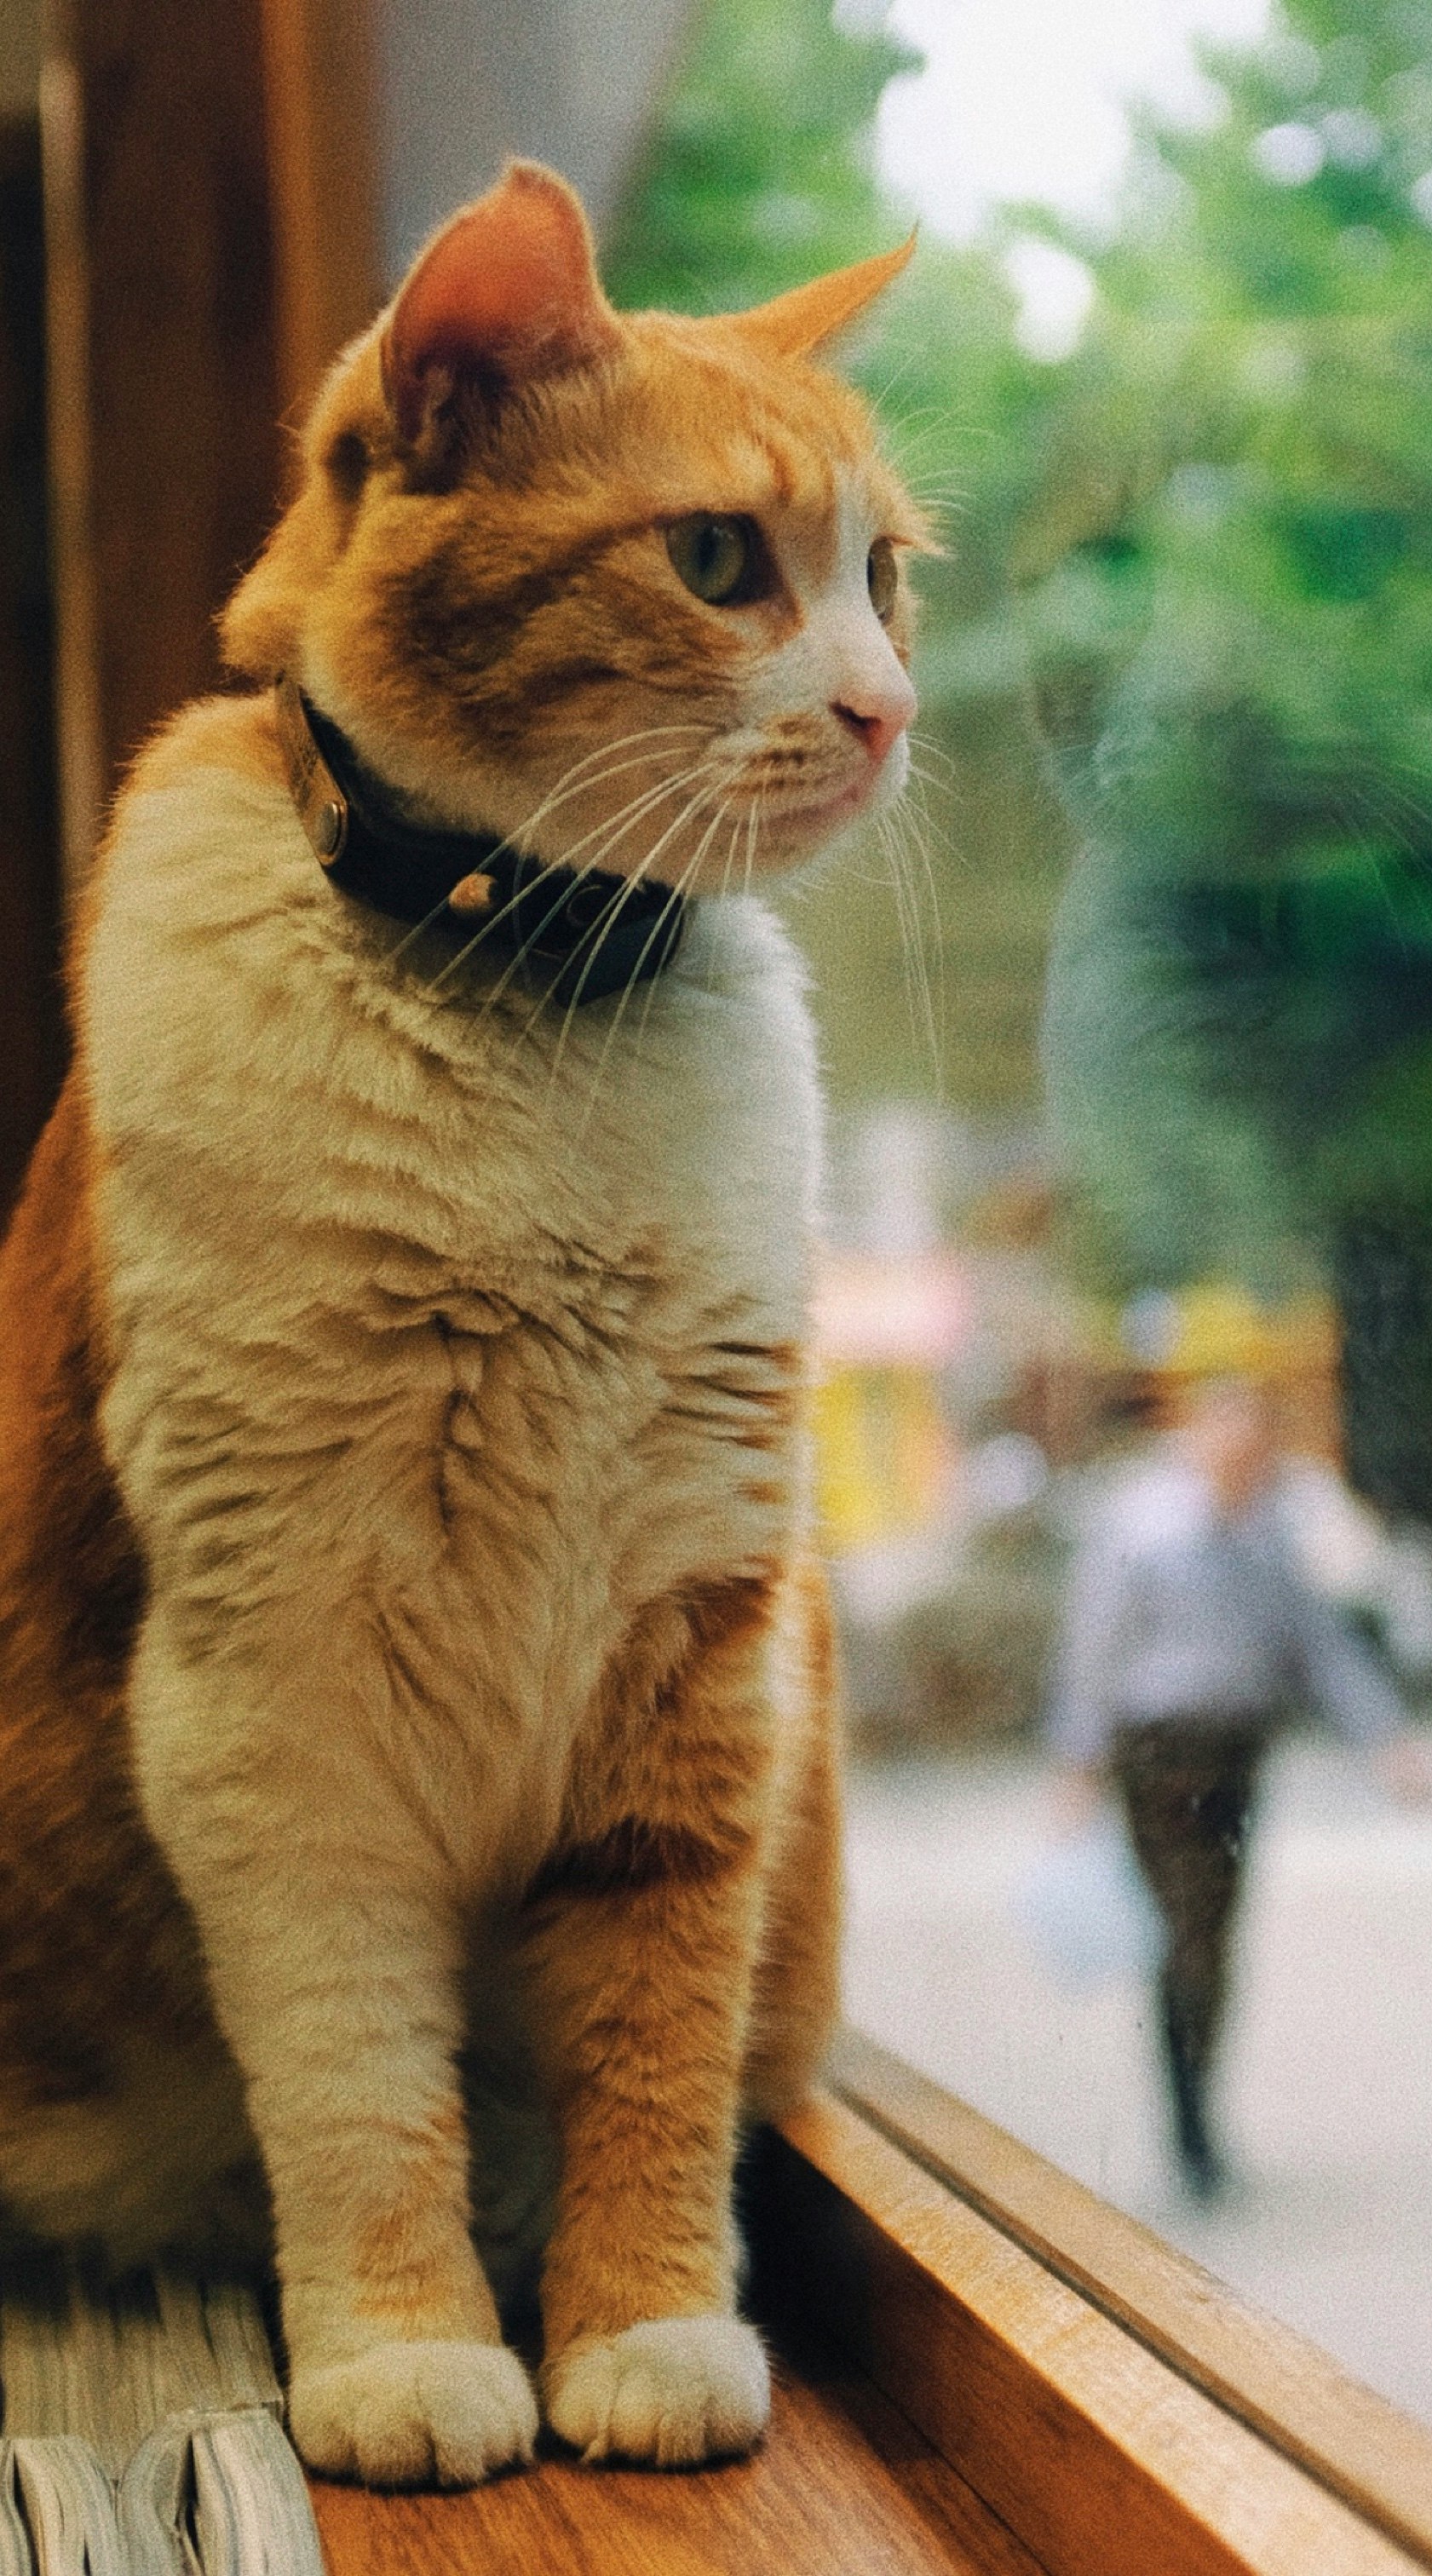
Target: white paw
{"x": 676, "y": 2391}
{"x": 415, "y": 2414}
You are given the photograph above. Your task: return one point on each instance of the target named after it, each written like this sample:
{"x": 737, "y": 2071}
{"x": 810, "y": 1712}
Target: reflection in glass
{"x": 1128, "y": 1024}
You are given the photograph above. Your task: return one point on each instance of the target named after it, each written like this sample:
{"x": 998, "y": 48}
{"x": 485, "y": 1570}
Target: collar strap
{"x": 573, "y": 936}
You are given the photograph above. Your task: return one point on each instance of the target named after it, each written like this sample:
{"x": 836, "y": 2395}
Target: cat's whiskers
{"x": 574, "y": 781}
{"x": 1356, "y": 799}
{"x": 1395, "y": 811}
{"x": 614, "y": 828}
{"x": 890, "y": 848}
{"x": 517, "y": 963}
{"x": 648, "y": 863}
{"x": 730, "y": 859}
{"x": 736, "y": 842}
{"x": 929, "y": 749}
{"x": 899, "y": 834}
{"x": 753, "y": 829}
{"x": 681, "y": 884}
{"x": 912, "y": 435}
{"x": 625, "y": 816}
{"x": 401, "y": 946}
{"x": 921, "y": 835}
{"x": 686, "y": 878}
{"x": 899, "y": 843}
{"x": 571, "y": 783}
{"x": 609, "y": 832}
{"x": 493, "y": 921}
{"x": 908, "y": 840}
{"x": 880, "y": 395}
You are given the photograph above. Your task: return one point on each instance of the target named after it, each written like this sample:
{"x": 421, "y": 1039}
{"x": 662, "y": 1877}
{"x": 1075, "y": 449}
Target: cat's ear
{"x": 506, "y": 293}
{"x": 793, "y": 325}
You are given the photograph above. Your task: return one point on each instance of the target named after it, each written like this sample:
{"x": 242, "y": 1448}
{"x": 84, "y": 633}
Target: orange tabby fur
{"x": 410, "y": 1640}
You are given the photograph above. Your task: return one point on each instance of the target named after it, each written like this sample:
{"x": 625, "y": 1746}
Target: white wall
{"x": 464, "y": 82}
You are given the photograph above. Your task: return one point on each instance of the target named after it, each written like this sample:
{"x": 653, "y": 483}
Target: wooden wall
{"x": 206, "y": 256}
{"x": 209, "y": 239}
{"x": 31, "y": 1029}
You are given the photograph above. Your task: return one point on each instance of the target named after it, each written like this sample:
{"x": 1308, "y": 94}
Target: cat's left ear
{"x": 794, "y": 325}
{"x": 506, "y": 293}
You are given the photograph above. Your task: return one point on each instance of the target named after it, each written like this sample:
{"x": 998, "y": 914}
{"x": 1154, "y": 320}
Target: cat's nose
{"x": 877, "y": 715}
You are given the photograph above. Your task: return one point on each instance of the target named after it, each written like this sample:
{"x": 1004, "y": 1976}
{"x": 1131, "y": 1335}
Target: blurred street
{"x": 1327, "y": 2093}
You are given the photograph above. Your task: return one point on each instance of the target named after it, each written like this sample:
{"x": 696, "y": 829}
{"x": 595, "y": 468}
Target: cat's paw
{"x": 415, "y": 2414}
{"x": 675, "y": 2391}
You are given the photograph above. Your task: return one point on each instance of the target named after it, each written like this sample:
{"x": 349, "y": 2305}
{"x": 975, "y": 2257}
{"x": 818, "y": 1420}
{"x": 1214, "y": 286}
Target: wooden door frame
{"x": 212, "y": 240}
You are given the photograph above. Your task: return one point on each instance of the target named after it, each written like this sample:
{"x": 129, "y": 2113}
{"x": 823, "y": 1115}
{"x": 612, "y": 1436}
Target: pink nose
{"x": 878, "y": 716}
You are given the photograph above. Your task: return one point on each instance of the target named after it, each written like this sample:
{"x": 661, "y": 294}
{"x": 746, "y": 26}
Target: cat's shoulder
{"x": 202, "y": 821}
{"x": 234, "y": 734}
{"x": 182, "y": 780}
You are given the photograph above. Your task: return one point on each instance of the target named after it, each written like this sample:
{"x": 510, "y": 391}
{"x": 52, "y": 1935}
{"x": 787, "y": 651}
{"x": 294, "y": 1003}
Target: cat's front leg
{"x": 332, "y": 1941}
{"x": 642, "y": 1991}
{"x": 639, "y": 1955}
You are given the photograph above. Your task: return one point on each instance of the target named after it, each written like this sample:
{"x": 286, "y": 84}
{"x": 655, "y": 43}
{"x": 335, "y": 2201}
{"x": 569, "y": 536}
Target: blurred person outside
{"x": 1190, "y": 1633}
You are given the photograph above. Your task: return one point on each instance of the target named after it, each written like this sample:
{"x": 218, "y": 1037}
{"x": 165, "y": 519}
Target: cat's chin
{"x": 797, "y": 832}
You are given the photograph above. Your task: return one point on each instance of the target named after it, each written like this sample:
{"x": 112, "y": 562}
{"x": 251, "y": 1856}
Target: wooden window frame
{"x": 1121, "y": 2411}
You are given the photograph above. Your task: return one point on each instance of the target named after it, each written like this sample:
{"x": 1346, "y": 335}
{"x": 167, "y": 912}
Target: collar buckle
{"x": 321, "y": 803}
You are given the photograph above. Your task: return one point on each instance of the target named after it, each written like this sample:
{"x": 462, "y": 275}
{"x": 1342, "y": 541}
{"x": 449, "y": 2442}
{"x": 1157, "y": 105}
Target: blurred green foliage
{"x": 1201, "y": 547}
{"x": 1225, "y": 598}
{"x": 758, "y": 171}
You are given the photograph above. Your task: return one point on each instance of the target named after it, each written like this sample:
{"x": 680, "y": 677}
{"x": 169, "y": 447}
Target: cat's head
{"x": 627, "y": 587}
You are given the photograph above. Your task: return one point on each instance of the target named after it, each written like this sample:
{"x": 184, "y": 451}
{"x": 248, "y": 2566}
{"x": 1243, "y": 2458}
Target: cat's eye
{"x": 721, "y": 559}
{"x": 882, "y": 577}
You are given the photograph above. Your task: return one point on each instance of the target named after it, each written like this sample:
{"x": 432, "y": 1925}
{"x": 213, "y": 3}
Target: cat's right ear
{"x": 505, "y": 294}
{"x": 796, "y": 325}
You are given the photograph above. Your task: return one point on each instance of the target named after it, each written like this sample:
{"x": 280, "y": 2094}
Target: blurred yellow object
{"x": 885, "y": 1457}
{"x": 1223, "y": 1330}
{"x": 1220, "y": 1329}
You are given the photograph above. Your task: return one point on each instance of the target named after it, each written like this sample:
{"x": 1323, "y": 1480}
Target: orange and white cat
{"x": 415, "y": 1697}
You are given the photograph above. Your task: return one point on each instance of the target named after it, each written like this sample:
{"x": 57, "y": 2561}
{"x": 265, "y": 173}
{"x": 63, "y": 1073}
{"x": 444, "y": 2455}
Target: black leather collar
{"x": 572, "y": 936}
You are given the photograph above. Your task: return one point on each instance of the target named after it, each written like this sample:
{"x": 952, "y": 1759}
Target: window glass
{"x": 1125, "y": 1416}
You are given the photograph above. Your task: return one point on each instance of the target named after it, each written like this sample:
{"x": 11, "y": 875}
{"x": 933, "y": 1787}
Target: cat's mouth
{"x": 802, "y": 822}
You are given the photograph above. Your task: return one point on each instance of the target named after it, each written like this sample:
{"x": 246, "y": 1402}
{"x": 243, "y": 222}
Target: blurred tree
{"x": 757, "y": 172}
{"x": 1202, "y": 545}
{"x": 1227, "y": 608}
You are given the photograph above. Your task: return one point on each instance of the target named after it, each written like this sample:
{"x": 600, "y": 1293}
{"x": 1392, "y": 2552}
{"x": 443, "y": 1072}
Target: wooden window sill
{"x": 980, "y": 2367}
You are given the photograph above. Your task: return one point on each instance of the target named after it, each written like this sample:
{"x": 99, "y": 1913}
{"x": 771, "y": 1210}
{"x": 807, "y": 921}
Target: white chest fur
{"x": 438, "y": 1329}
